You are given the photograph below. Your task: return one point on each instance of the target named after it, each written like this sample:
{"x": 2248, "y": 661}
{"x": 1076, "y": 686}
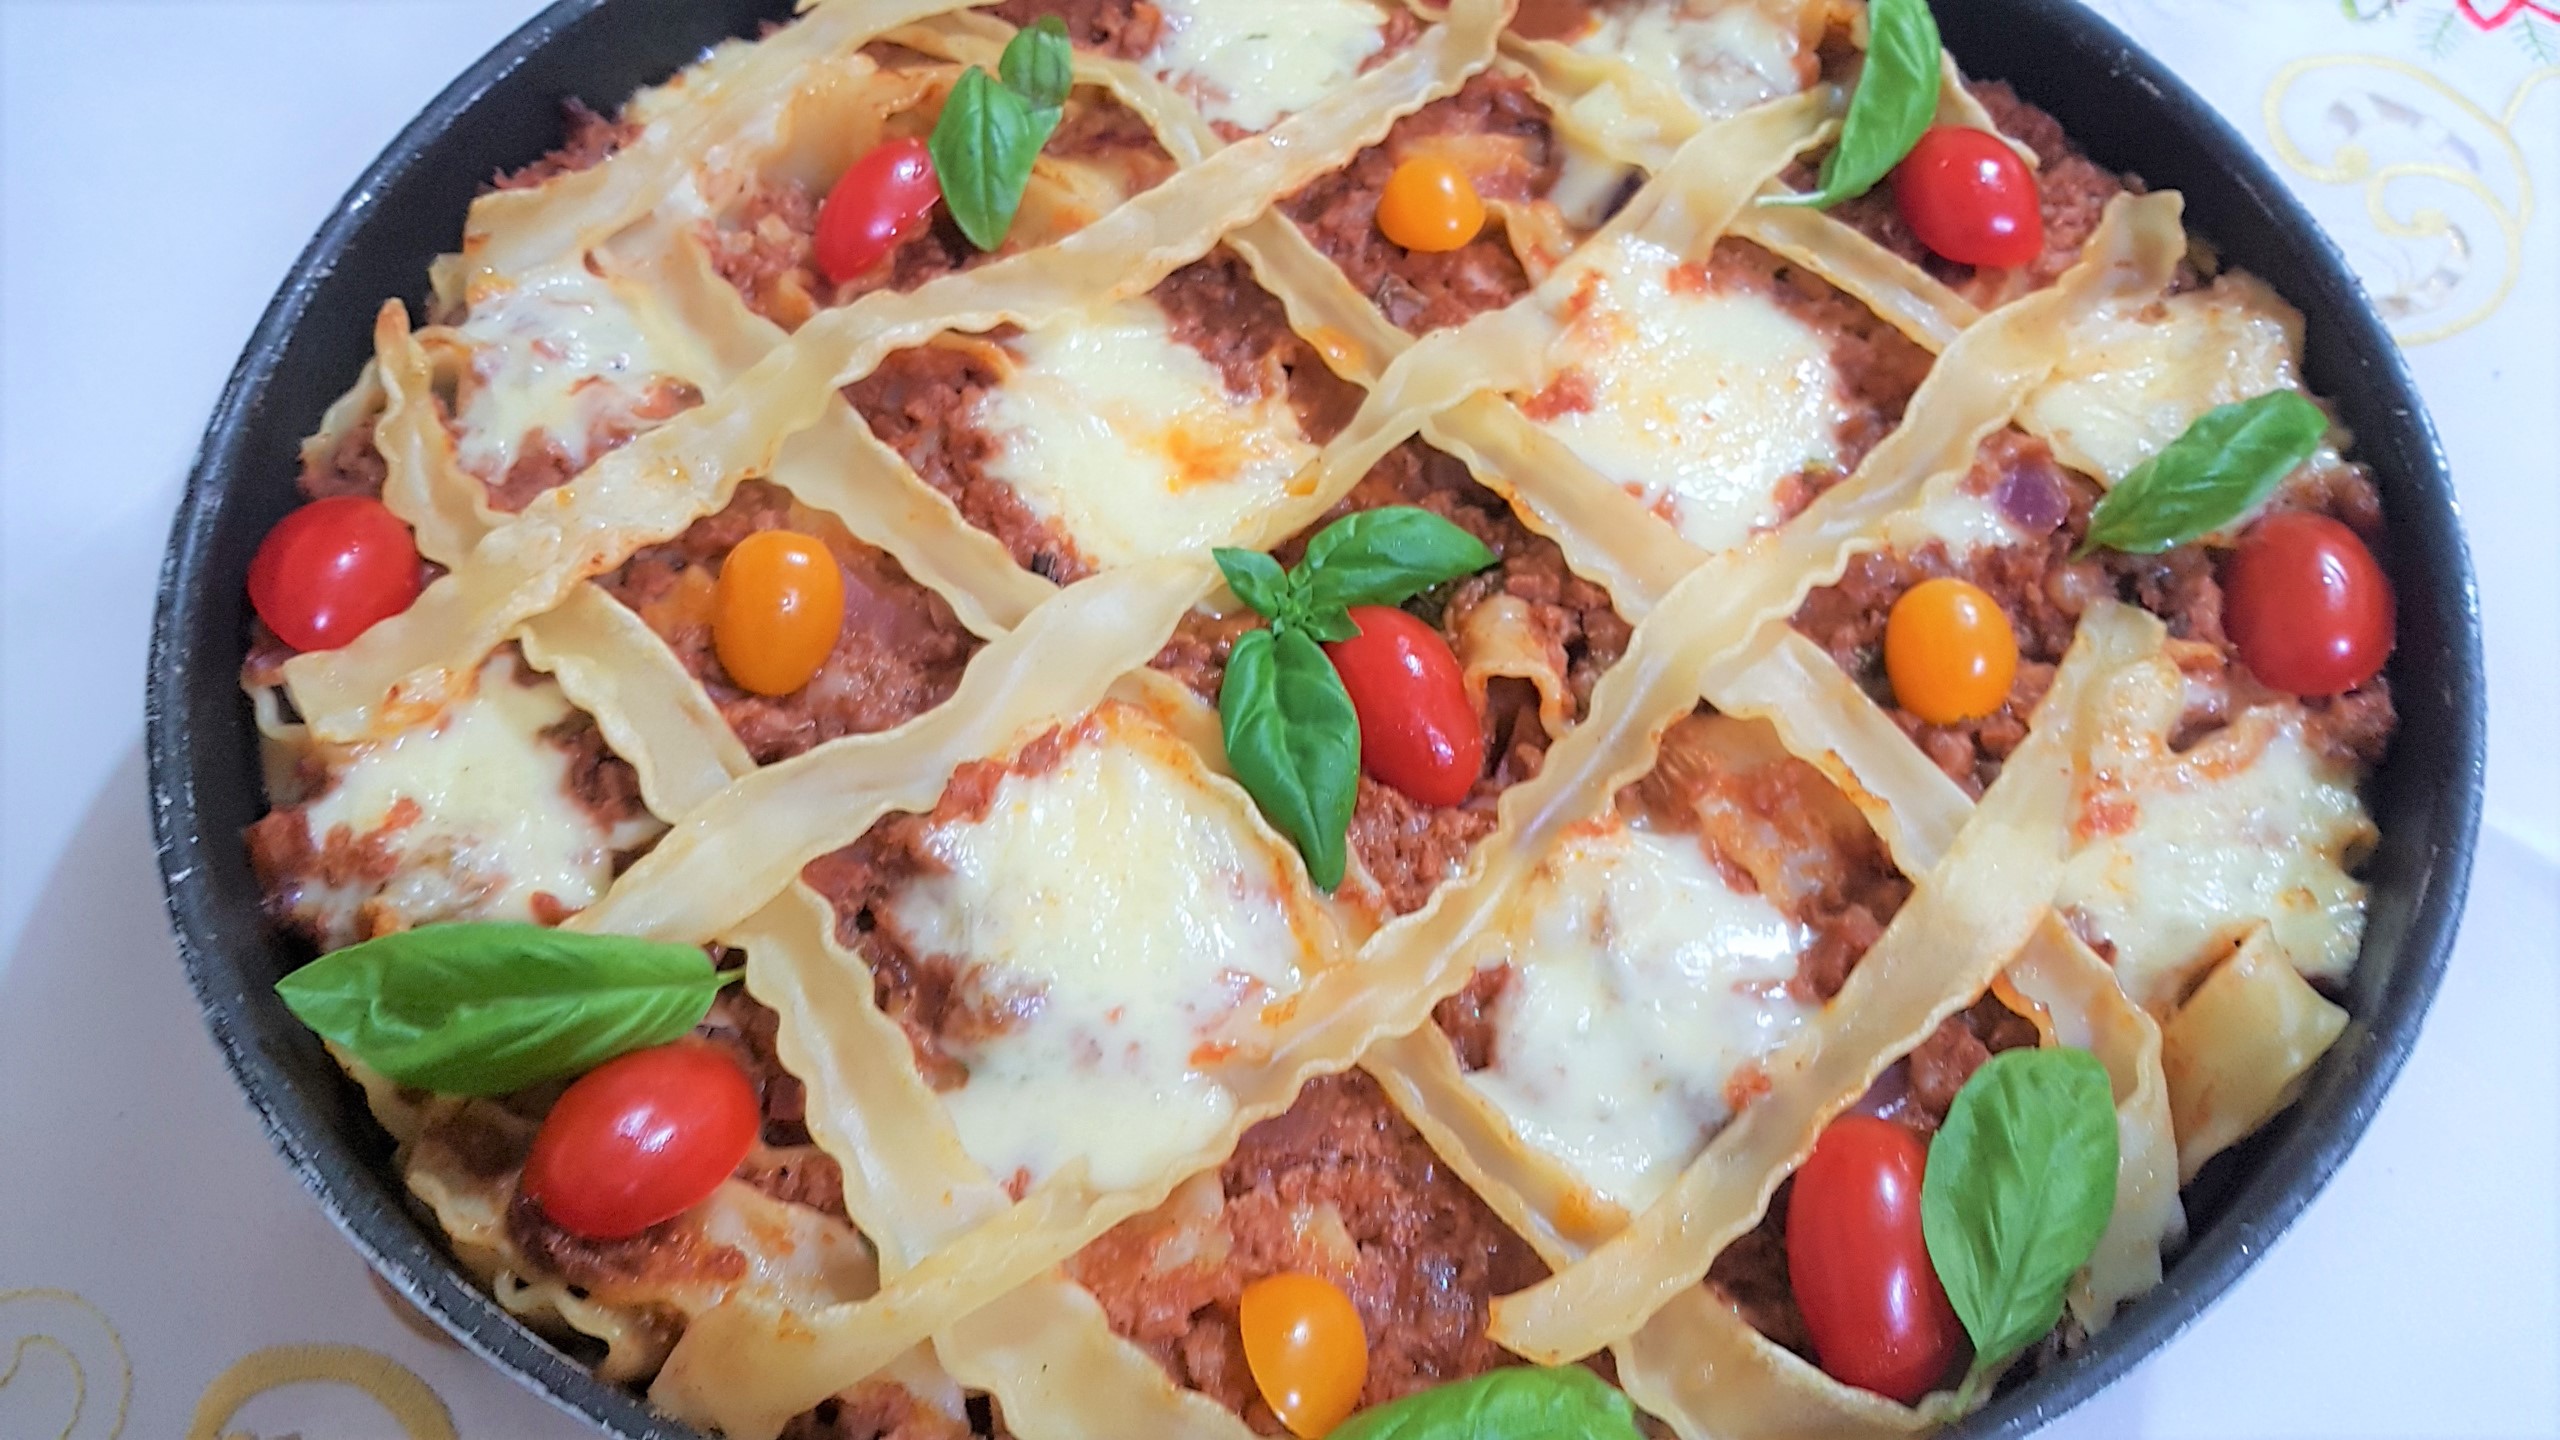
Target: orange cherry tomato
{"x": 1967, "y": 196}
{"x": 1859, "y": 1264}
{"x": 881, "y": 201}
{"x": 1418, "y": 731}
{"x": 1430, "y": 205}
{"x": 1949, "y": 651}
{"x": 332, "y": 570}
{"x": 2306, "y": 605}
{"x": 777, "y": 611}
{"x": 1308, "y": 1353}
{"x": 641, "y": 1139}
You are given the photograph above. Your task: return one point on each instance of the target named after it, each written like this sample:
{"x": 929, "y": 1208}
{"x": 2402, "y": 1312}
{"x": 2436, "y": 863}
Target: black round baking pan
{"x": 2120, "y": 104}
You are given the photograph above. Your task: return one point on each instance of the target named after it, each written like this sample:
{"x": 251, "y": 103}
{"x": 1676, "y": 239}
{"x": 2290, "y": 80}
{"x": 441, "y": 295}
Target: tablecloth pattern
{"x": 160, "y": 1273}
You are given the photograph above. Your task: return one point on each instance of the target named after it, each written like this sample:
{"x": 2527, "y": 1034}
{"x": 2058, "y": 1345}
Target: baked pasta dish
{"x": 1103, "y": 718}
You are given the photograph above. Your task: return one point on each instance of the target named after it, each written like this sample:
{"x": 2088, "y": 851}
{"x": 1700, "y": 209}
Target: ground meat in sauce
{"x": 1467, "y": 1017}
{"x": 1878, "y": 366}
{"x": 2044, "y": 591}
{"x": 876, "y": 1410}
{"x": 900, "y": 653}
{"x": 590, "y": 139}
{"x": 543, "y": 462}
{"x": 940, "y": 1002}
{"x": 1422, "y": 292}
{"x": 603, "y": 783}
{"x": 920, "y": 401}
{"x": 1752, "y": 1271}
{"x": 351, "y": 465}
{"x": 1340, "y": 1186}
{"x": 1409, "y": 848}
{"x": 2075, "y": 192}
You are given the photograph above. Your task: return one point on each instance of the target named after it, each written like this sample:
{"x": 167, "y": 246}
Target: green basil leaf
{"x": 1896, "y": 98}
{"x": 485, "y": 1009}
{"x": 2228, "y": 461}
{"x": 1328, "y": 624}
{"x": 1294, "y": 742}
{"x": 2020, "y": 1185}
{"x": 982, "y": 151}
{"x": 1517, "y": 1402}
{"x": 1039, "y": 63}
{"x": 1257, "y": 580}
{"x": 1379, "y": 557}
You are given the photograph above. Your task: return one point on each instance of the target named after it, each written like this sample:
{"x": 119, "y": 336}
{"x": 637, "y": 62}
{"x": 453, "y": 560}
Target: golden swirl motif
{"x": 76, "y": 1334}
{"x": 392, "y": 1385}
{"x": 2436, "y": 280}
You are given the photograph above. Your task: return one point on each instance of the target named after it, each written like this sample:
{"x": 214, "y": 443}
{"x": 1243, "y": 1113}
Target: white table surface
{"x": 165, "y": 161}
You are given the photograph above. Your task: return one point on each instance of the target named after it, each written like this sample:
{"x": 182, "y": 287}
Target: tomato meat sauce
{"x": 1499, "y": 134}
{"x": 1339, "y": 1186}
{"x": 2043, "y": 587}
{"x": 898, "y": 653}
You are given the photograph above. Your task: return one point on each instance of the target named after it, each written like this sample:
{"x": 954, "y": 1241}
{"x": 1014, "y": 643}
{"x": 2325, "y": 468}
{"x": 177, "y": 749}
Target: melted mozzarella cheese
{"x": 2136, "y": 377}
{"x": 2183, "y": 854}
{"x": 1725, "y": 55}
{"x": 559, "y": 351}
{"x": 1131, "y": 440}
{"x": 471, "y": 813}
{"x": 1644, "y": 988}
{"x": 1956, "y": 518}
{"x": 1254, "y": 63}
{"x": 1701, "y": 398}
{"x": 1138, "y": 923}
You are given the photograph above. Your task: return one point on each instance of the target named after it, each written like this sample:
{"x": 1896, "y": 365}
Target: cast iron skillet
{"x": 2120, "y": 104}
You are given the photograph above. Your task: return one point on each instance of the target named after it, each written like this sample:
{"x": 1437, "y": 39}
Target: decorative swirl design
{"x": 393, "y": 1386}
{"x": 2447, "y": 191}
{"x": 70, "y": 1330}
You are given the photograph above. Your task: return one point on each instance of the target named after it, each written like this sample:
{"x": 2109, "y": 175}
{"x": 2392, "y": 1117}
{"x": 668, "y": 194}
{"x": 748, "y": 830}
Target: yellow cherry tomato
{"x": 1304, "y": 1344}
{"x": 1429, "y": 204}
{"x": 1949, "y": 651}
{"x": 776, "y": 611}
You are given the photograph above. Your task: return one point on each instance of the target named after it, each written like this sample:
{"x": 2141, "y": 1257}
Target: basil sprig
{"x": 1896, "y": 98}
{"x": 992, "y": 129}
{"x": 1291, "y": 733}
{"x": 1517, "y": 1402}
{"x": 2227, "y": 462}
{"x": 2020, "y": 1185}
{"x": 483, "y": 1008}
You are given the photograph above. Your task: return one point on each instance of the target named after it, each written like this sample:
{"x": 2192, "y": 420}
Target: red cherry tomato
{"x": 332, "y": 569}
{"x": 1872, "y": 1304}
{"x": 1969, "y": 197}
{"x": 640, "y": 1139}
{"x": 1418, "y": 733}
{"x": 884, "y": 199}
{"x": 2307, "y": 606}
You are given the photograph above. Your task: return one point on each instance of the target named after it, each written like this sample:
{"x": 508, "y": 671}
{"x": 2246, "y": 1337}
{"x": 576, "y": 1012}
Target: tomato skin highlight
{"x": 1859, "y": 1263}
{"x": 332, "y": 570}
{"x": 1307, "y": 1349}
{"x": 1430, "y": 205}
{"x": 881, "y": 201}
{"x": 1968, "y": 197}
{"x": 777, "y": 611}
{"x": 1418, "y": 731}
{"x": 1949, "y": 651}
{"x": 2307, "y": 605}
{"x": 641, "y": 1139}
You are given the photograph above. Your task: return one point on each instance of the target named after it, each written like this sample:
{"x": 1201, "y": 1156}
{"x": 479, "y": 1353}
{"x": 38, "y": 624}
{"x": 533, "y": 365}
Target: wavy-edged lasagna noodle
{"x": 1711, "y": 886}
